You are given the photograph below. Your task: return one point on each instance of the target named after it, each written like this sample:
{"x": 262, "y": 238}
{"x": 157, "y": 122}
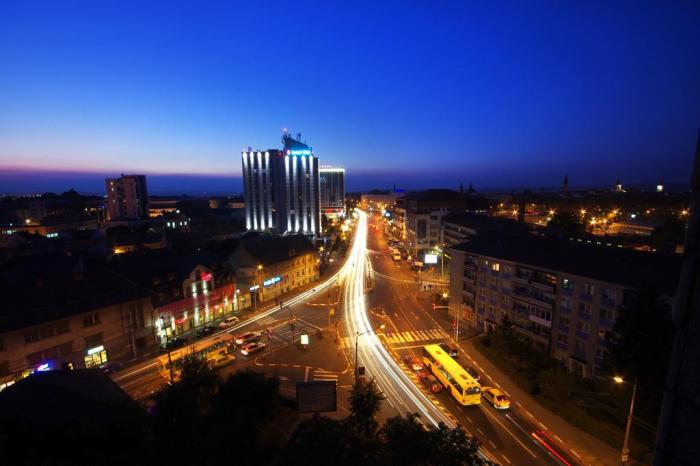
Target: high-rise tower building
{"x": 127, "y": 198}
{"x": 282, "y": 189}
{"x": 332, "y": 188}
{"x": 258, "y": 188}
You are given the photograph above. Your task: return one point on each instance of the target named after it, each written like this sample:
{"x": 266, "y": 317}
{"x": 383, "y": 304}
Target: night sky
{"x": 426, "y": 93}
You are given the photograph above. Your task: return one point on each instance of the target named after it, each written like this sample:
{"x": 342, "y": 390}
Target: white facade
{"x": 258, "y": 188}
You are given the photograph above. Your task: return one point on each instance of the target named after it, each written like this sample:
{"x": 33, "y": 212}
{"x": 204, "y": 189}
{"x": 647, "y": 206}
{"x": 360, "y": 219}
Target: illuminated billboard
{"x": 430, "y": 259}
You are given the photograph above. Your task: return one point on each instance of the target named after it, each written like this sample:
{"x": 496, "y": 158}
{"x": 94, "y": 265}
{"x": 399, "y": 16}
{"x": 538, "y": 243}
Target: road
{"x": 397, "y": 301}
{"x": 370, "y": 292}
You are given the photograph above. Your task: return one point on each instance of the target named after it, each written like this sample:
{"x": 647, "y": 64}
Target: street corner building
{"x": 186, "y": 291}
{"x": 282, "y": 191}
{"x": 561, "y": 296}
{"x": 269, "y": 266}
{"x": 61, "y": 312}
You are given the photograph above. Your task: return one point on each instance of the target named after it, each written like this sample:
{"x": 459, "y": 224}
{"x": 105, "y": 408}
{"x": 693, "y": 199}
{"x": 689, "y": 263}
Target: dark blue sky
{"x": 416, "y": 93}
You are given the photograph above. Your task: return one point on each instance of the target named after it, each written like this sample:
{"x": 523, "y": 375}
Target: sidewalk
{"x": 589, "y": 449}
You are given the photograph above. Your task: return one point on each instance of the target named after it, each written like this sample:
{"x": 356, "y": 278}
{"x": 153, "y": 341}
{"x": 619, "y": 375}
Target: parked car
{"x": 248, "y": 337}
{"x": 451, "y": 350}
{"x": 229, "y": 322}
{"x": 432, "y": 383}
{"x": 206, "y": 330}
{"x": 471, "y": 371}
{"x": 111, "y": 367}
{"x": 496, "y": 397}
{"x": 176, "y": 342}
{"x": 422, "y": 374}
{"x": 251, "y": 348}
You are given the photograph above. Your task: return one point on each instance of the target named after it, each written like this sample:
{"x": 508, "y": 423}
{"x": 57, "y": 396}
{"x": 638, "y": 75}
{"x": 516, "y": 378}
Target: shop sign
{"x": 272, "y": 281}
{"x": 96, "y": 349}
{"x": 206, "y": 277}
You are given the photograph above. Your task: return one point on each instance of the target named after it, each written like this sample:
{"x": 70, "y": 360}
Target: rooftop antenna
{"x": 299, "y": 137}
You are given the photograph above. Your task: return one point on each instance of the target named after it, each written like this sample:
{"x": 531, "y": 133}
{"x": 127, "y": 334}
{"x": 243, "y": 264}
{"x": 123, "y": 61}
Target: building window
{"x": 601, "y": 353}
{"x": 588, "y": 289}
{"x": 93, "y": 340}
{"x": 580, "y": 345}
{"x": 584, "y": 309}
{"x": 91, "y": 319}
{"x": 607, "y": 314}
{"x": 583, "y": 327}
{"x": 609, "y": 294}
{"x": 566, "y": 302}
{"x": 567, "y": 284}
{"x": 506, "y": 301}
{"x": 565, "y": 320}
{"x": 496, "y": 267}
{"x": 563, "y": 338}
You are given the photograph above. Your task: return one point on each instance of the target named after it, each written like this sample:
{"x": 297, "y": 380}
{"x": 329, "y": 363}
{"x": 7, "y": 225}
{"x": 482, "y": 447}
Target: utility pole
{"x": 625, "y": 445}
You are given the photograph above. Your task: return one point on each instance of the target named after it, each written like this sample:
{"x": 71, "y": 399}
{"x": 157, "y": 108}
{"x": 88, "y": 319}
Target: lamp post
{"x": 259, "y": 290}
{"x": 624, "y": 459}
{"x": 357, "y": 340}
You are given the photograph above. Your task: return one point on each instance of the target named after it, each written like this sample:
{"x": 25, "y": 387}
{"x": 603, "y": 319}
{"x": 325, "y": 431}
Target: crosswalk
{"x": 397, "y": 338}
{"x": 324, "y": 375}
{"x": 416, "y": 335}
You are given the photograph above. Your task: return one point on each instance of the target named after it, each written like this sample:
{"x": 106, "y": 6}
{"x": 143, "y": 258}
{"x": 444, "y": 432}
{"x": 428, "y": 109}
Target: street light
{"x": 624, "y": 459}
{"x": 357, "y": 340}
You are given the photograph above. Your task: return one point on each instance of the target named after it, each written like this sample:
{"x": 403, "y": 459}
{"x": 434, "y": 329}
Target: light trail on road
{"x": 399, "y": 389}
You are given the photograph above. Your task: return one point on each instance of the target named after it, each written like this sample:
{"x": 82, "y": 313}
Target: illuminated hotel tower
{"x": 282, "y": 189}
{"x": 258, "y": 188}
{"x": 297, "y": 188}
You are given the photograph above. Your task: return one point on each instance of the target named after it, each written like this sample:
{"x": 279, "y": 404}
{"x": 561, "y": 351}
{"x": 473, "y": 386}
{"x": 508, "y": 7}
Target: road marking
{"x": 470, "y": 419}
{"x": 518, "y": 403}
{"x": 306, "y": 374}
{"x": 576, "y": 453}
{"x": 558, "y": 438}
{"x": 508, "y": 430}
{"x": 543, "y": 426}
{"x": 492, "y": 444}
{"x": 480, "y": 431}
{"x": 408, "y": 337}
{"x": 506, "y": 458}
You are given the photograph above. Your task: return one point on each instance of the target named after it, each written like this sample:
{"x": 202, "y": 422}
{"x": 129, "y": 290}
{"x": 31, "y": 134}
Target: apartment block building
{"x": 127, "y": 198}
{"x": 562, "y": 297}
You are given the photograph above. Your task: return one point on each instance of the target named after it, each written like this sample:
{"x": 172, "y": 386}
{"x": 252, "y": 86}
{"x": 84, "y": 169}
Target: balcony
{"x": 609, "y": 303}
{"x": 563, "y": 328}
{"x": 584, "y": 315}
{"x": 540, "y": 321}
{"x": 533, "y": 297}
{"x": 582, "y": 335}
{"x": 606, "y": 324}
{"x": 567, "y": 291}
{"x": 562, "y": 345}
{"x": 585, "y": 297}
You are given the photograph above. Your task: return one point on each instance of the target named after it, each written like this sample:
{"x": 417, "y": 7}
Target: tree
{"x": 667, "y": 236}
{"x": 365, "y": 402}
{"x": 565, "y": 223}
{"x": 642, "y": 343}
{"x": 406, "y": 441}
{"x": 318, "y": 441}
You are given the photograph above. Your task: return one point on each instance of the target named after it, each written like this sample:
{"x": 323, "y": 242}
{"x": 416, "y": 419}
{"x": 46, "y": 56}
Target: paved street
{"x": 368, "y": 291}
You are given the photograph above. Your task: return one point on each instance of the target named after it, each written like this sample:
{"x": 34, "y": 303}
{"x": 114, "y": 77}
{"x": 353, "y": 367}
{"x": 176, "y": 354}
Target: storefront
{"x": 95, "y": 357}
{"x": 194, "y": 312}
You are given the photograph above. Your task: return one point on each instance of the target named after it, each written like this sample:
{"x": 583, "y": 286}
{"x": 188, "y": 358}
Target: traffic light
{"x": 434, "y": 306}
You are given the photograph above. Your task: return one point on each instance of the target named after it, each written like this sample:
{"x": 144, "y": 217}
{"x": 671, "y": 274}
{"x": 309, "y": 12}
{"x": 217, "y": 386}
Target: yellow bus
{"x": 217, "y": 351}
{"x": 451, "y": 375}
